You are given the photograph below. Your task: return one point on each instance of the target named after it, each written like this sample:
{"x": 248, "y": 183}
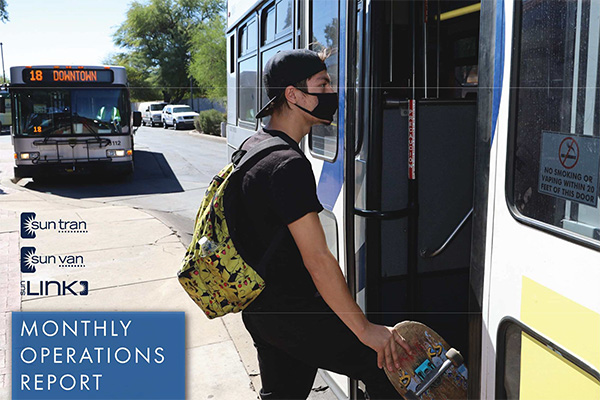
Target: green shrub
{"x": 209, "y": 122}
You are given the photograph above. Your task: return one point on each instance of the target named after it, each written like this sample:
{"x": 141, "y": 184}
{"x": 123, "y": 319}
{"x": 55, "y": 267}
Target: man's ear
{"x": 290, "y": 94}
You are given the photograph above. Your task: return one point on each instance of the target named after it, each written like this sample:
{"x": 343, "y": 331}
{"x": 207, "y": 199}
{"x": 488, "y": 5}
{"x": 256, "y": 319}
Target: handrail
{"x": 426, "y": 253}
{"x": 380, "y": 214}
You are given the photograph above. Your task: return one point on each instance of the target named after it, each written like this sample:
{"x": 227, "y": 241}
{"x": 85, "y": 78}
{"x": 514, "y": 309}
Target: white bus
{"x": 460, "y": 176}
{"x": 5, "y": 114}
{"x": 71, "y": 119}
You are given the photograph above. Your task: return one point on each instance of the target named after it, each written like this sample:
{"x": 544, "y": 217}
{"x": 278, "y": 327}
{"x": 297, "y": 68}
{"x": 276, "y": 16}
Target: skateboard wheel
{"x": 455, "y": 356}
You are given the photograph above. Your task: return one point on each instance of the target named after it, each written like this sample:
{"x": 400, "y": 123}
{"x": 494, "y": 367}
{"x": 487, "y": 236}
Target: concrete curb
{"x": 210, "y": 137}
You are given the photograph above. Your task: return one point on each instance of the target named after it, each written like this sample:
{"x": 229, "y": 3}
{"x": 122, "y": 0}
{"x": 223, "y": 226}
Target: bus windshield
{"x": 58, "y": 112}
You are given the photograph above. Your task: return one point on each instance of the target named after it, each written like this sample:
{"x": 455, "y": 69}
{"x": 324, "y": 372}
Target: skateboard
{"x": 433, "y": 371}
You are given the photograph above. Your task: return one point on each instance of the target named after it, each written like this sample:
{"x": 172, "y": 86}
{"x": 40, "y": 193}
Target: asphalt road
{"x": 172, "y": 171}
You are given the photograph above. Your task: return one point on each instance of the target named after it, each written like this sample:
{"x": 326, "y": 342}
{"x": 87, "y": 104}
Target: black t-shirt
{"x": 276, "y": 191}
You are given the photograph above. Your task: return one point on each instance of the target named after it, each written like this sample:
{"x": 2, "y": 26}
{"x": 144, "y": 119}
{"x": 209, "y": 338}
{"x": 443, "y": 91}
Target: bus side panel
{"x": 541, "y": 285}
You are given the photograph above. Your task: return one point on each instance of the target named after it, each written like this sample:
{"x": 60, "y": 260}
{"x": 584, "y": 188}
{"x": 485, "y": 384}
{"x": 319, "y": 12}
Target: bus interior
{"x": 418, "y": 250}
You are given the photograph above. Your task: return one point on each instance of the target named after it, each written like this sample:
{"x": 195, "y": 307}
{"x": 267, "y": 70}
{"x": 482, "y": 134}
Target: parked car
{"x": 178, "y": 116}
{"x": 152, "y": 113}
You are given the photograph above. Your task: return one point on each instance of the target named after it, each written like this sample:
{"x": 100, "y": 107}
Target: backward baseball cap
{"x": 287, "y": 68}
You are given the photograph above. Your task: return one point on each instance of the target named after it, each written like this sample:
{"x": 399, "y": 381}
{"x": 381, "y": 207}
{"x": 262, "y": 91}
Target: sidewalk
{"x": 131, "y": 261}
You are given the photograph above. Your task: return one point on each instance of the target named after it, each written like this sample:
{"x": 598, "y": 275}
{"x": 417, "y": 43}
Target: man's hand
{"x": 383, "y": 340}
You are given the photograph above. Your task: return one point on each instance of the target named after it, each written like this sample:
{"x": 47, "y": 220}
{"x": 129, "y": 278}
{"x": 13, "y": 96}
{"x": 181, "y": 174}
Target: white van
{"x": 151, "y": 113}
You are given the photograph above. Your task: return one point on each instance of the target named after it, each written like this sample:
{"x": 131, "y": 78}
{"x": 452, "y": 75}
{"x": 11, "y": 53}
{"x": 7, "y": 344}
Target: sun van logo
{"x": 27, "y": 264}
{"x": 30, "y": 225}
{"x": 30, "y": 260}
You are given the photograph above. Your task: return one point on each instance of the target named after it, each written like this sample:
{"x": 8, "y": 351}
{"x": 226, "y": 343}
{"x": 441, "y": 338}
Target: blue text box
{"x": 99, "y": 355}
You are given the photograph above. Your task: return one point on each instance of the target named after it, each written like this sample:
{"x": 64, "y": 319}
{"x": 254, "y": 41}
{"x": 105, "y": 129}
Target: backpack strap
{"x": 243, "y": 157}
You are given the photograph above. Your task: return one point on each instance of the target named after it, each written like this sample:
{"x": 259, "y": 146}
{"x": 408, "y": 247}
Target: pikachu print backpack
{"x": 213, "y": 272}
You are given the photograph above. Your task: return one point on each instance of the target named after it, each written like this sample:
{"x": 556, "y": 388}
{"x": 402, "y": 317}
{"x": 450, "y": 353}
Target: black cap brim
{"x": 267, "y": 109}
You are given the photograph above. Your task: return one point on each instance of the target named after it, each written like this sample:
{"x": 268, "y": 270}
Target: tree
{"x": 3, "y": 12}
{"x": 141, "y": 83}
{"x": 158, "y": 36}
{"x": 209, "y": 60}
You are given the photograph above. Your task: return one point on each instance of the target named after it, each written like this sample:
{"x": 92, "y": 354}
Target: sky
{"x": 60, "y": 32}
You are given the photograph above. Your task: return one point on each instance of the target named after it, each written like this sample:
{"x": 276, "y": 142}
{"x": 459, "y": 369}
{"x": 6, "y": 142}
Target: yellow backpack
{"x": 213, "y": 272}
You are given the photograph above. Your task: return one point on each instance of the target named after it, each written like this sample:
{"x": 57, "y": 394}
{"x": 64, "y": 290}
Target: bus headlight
{"x": 29, "y": 156}
{"x": 115, "y": 153}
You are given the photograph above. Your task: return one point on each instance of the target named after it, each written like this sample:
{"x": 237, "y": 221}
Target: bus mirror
{"x": 137, "y": 118}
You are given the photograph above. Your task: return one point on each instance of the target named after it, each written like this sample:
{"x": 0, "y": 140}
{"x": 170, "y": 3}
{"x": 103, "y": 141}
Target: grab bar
{"x": 380, "y": 214}
{"x": 426, "y": 253}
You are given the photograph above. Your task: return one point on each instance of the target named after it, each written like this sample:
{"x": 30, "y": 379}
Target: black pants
{"x": 291, "y": 345}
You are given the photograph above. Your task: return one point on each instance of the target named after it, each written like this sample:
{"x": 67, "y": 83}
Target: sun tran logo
{"x": 27, "y": 230}
{"x": 30, "y": 226}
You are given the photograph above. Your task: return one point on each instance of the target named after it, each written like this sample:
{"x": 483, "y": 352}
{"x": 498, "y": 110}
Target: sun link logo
{"x": 30, "y": 260}
{"x": 30, "y": 226}
{"x": 49, "y": 288}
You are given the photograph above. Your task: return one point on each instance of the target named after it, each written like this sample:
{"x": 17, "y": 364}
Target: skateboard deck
{"x": 416, "y": 378}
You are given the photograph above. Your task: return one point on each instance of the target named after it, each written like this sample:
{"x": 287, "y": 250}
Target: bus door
{"x": 414, "y": 139}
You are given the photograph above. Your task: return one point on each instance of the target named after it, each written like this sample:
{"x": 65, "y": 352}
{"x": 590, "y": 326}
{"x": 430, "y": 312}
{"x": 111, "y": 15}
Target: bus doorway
{"x": 415, "y": 138}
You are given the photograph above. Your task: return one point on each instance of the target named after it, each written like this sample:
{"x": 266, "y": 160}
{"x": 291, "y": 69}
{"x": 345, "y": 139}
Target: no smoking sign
{"x": 568, "y": 152}
{"x": 569, "y": 167}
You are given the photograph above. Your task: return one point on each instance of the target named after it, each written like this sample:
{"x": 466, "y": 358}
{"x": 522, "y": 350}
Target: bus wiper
{"x": 47, "y": 134}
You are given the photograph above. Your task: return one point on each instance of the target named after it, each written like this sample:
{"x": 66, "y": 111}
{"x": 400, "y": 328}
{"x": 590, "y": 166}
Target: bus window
{"x": 265, "y": 56}
{"x": 324, "y": 34}
{"x": 268, "y": 27}
{"x": 252, "y": 36}
{"x": 248, "y": 38}
{"x": 531, "y": 366}
{"x": 276, "y": 21}
{"x": 248, "y": 73}
{"x": 284, "y": 16}
{"x": 43, "y": 111}
{"x": 231, "y": 54}
{"x": 247, "y": 90}
{"x": 555, "y": 118}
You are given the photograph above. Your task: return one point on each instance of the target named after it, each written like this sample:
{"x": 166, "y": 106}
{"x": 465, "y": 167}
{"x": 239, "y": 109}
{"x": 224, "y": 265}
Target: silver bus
{"x": 71, "y": 119}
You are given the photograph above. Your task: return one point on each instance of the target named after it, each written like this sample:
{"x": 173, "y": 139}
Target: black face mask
{"x": 328, "y": 105}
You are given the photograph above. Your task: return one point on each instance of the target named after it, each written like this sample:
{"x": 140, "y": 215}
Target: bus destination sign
{"x": 66, "y": 75}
